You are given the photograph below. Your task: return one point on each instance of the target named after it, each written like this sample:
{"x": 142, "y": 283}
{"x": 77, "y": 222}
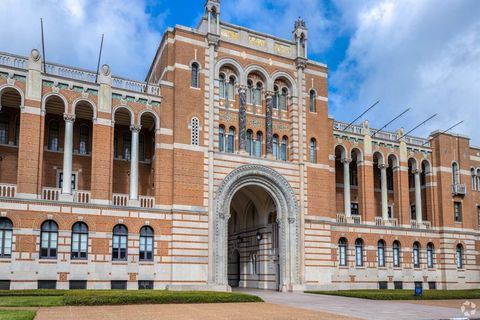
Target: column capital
{"x": 242, "y": 89}
{"x": 346, "y": 160}
{"x": 135, "y": 127}
{"x": 269, "y": 95}
{"x": 416, "y": 171}
{"x": 69, "y": 117}
{"x": 382, "y": 166}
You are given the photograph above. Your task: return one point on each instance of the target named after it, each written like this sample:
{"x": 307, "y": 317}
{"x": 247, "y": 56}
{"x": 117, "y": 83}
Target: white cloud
{"x": 73, "y": 30}
{"x": 411, "y": 53}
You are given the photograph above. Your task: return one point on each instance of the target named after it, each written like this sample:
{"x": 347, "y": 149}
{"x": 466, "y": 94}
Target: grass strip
{"x": 16, "y": 315}
{"x": 404, "y": 294}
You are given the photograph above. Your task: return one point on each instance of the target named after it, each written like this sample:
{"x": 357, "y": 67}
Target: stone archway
{"x": 287, "y": 218}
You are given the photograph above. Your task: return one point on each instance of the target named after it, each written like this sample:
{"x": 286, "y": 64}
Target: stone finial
{"x": 35, "y": 55}
{"x": 300, "y": 23}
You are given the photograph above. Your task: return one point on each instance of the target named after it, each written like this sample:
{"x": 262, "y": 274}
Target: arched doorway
{"x": 272, "y": 206}
{"x": 252, "y": 240}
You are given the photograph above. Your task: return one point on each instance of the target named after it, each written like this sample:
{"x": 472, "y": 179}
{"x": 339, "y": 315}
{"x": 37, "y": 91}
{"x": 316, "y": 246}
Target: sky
{"x": 417, "y": 54}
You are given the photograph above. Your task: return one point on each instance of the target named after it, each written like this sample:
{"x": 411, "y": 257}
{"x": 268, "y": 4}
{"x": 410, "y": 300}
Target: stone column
{"x": 134, "y": 163}
{"x": 418, "y": 195}
{"x": 268, "y": 124}
{"x": 67, "y": 153}
{"x": 242, "y": 119}
{"x": 346, "y": 186}
{"x": 383, "y": 181}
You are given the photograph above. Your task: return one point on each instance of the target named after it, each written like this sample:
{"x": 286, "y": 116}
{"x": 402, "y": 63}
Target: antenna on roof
{"x": 388, "y": 123}
{"x": 445, "y": 131}
{"x": 99, "y": 58}
{"x": 350, "y": 124}
{"x": 419, "y": 125}
{"x": 43, "y": 46}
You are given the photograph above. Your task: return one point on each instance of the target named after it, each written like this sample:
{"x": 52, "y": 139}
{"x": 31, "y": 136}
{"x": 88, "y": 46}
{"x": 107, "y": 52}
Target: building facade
{"x": 223, "y": 169}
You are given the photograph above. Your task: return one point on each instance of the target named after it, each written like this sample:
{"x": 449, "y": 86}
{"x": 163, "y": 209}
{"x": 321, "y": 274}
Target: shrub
{"x": 89, "y": 298}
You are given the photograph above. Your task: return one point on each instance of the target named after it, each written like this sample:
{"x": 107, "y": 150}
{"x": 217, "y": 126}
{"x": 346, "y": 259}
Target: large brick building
{"x": 222, "y": 169}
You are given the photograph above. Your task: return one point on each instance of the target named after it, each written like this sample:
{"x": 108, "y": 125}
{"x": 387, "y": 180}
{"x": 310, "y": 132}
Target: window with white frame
{"x": 459, "y": 256}
{"x": 146, "y": 244}
{"x": 455, "y": 173}
{"x": 430, "y": 255}
{"x": 381, "y": 253}
{"x": 258, "y": 144}
{"x": 6, "y": 235}
{"x": 396, "y": 254}
{"x": 416, "y": 255}
{"x": 342, "y": 252}
{"x": 195, "y": 131}
{"x": 195, "y": 73}
{"x": 49, "y": 240}
{"x": 221, "y": 138}
{"x": 79, "y": 247}
{"x": 359, "y": 253}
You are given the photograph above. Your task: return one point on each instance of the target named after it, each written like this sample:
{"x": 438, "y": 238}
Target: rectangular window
{"x": 119, "y": 250}
{"x": 398, "y": 285}
{"x": 432, "y": 285}
{"x": 5, "y": 243}
{"x": 47, "y": 284}
{"x": 413, "y": 212}
{"x": 60, "y": 180}
{"x": 382, "y": 285}
{"x": 457, "y": 208}
{"x": 354, "y": 208}
{"x": 79, "y": 245}
{"x": 77, "y": 284}
{"x": 146, "y": 248}
{"x": 145, "y": 285}
{"x": 478, "y": 214}
{"x": 4, "y": 284}
{"x": 118, "y": 285}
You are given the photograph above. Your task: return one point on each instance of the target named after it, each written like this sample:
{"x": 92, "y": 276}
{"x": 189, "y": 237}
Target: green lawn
{"x": 404, "y": 294}
{"x": 50, "y": 298}
{"x": 16, "y": 315}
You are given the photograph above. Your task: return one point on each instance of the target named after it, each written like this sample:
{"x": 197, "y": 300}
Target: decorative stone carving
{"x": 135, "y": 127}
{"x": 69, "y": 117}
{"x": 242, "y": 118}
{"x": 106, "y": 70}
{"x": 268, "y": 123}
{"x": 35, "y": 54}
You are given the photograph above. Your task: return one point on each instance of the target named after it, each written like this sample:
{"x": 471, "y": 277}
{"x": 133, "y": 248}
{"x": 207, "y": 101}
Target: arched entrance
{"x": 254, "y": 202}
{"x": 253, "y": 240}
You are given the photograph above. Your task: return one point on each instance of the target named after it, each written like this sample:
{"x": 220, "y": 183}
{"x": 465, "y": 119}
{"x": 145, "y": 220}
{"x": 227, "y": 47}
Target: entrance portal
{"x": 253, "y": 257}
{"x": 256, "y": 232}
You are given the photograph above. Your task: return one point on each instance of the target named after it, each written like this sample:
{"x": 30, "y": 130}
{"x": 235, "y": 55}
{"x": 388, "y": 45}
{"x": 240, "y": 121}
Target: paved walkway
{"x": 360, "y": 308}
{"x": 214, "y": 311}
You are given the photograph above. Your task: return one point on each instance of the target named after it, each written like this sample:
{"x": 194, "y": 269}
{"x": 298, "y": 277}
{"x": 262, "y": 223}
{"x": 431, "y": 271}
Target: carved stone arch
{"x": 129, "y": 110}
{"x": 343, "y": 150}
{"x": 287, "y": 217}
{"x": 395, "y": 160}
{"x": 380, "y": 157}
{"x": 358, "y": 153}
{"x": 268, "y": 85}
{"x": 428, "y": 166}
{"x": 78, "y": 100}
{"x": 153, "y": 113}
{"x": 289, "y": 78}
{"x": 13, "y": 87}
{"x": 232, "y": 63}
{"x": 54, "y": 94}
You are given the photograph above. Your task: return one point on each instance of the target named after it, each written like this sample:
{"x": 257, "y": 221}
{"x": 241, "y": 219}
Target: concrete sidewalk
{"x": 360, "y": 308}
